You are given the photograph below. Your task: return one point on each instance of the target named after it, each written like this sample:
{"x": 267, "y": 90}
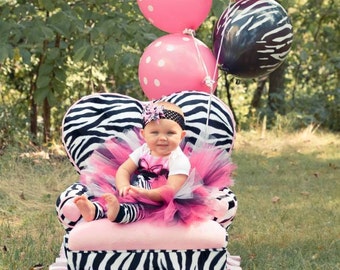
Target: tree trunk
{"x": 255, "y": 103}
{"x": 47, "y": 120}
{"x": 227, "y": 87}
{"x": 276, "y": 96}
{"x": 33, "y": 114}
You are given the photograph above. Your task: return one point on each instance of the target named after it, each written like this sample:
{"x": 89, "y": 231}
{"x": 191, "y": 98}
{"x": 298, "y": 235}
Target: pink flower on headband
{"x": 152, "y": 112}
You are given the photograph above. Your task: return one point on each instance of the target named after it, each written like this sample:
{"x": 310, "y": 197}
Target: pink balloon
{"x": 174, "y": 63}
{"x": 174, "y": 16}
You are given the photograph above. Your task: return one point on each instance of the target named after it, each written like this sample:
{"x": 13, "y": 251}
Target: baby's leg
{"x": 112, "y": 205}
{"x": 86, "y": 207}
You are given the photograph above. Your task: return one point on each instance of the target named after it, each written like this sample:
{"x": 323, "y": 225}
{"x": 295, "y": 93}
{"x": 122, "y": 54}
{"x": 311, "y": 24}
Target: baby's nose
{"x": 163, "y": 137}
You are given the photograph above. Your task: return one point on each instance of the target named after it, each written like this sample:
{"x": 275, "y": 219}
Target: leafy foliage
{"x": 52, "y": 52}
{"x": 61, "y": 51}
{"x": 315, "y": 62}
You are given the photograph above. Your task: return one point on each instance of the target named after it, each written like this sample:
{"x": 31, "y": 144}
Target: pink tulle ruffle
{"x": 211, "y": 170}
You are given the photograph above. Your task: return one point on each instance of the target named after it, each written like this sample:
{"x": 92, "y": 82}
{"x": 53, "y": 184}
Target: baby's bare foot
{"x": 86, "y": 207}
{"x": 112, "y": 206}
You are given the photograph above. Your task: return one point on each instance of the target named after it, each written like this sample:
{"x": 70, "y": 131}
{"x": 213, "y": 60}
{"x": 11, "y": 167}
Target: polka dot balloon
{"x": 175, "y": 63}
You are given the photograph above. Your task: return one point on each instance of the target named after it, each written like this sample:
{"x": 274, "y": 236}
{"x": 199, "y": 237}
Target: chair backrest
{"x": 96, "y": 118}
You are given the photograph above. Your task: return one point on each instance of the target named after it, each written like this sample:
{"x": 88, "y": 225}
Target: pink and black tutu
{"x": 211, "y": 170}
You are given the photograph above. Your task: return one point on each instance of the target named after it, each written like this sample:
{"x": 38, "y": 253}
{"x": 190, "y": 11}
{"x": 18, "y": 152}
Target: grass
{"x": 30, "y": 234}
{"x": 287, "y": 187}
{"x": 289, "y": 205}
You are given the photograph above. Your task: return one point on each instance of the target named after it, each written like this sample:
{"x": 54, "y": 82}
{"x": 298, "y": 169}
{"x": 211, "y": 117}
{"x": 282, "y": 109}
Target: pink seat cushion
{"x": 105, "y": 235}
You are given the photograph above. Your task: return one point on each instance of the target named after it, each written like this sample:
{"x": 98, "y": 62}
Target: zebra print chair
{"x": 99, "y": 244}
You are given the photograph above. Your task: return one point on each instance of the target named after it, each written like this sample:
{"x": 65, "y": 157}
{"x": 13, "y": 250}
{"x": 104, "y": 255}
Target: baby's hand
{"x": 124, "y": 191}
{"x": 137, "y": 192}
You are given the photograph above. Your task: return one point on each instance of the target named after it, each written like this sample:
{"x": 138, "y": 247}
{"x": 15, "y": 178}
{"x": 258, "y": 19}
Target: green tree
{"x": 53, "y": 52}
{"x": 60, "y": 51}
{"x": 315, "y": 62}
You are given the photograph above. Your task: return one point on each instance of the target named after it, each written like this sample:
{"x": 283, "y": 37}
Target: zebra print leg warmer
{"x": 130, "y": 212}
{"x": 69, "y": 215}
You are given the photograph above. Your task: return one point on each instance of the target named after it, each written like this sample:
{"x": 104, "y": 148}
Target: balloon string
{"x": 188, "y": 31}
{"x": 216, "y": 69}
{"x": 214, "y": 74}
{"x": 206, "y": 133}
{"x": 207, "y": 80}
{"x": 222, "y": 35}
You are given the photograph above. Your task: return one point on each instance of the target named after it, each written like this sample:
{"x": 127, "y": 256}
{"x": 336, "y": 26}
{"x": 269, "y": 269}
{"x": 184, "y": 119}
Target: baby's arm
{"x": 123, "y": 176}
{"x": 174, "y": 183}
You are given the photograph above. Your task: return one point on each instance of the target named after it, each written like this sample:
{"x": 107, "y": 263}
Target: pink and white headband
{"x": 154, "y": 112}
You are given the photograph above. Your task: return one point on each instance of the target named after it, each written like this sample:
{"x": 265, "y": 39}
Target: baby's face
{"x": 162, "y": 136}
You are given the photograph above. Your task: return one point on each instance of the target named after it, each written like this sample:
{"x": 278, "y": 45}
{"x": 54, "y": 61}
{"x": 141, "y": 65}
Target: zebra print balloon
{"x": 252, "y": 38}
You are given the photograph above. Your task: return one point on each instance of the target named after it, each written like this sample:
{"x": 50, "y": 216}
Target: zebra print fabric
{"x": 196, "y": 259}
{"x": 96, "y": 118}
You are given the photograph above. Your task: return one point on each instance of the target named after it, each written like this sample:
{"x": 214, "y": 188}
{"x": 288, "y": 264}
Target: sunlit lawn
{"x": 287, "y": 187}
